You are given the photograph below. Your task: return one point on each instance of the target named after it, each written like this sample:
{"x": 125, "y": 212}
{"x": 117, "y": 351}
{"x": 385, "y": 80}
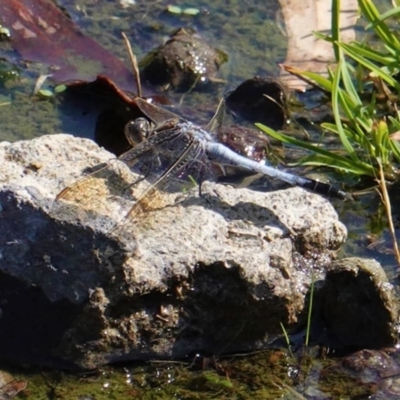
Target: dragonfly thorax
{"x": 198, "y": 133}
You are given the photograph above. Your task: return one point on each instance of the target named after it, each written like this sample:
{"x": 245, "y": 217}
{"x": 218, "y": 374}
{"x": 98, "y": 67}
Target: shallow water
{"x": 247, "y": 31}
{"x": 251, "y": 33}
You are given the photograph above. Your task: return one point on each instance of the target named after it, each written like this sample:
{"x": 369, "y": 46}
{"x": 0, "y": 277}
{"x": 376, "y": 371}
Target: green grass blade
{"x": 395, "y": 147}
{"x": 388, "y": 14}
{"x": 287, "y": 339}
{"x": 348, "y": 49}
{"x": 339, "y": 163}
{"x": 323, "y": 36}
{"x": 323, "y": 83}
{"x": 372, "y": 54}
{"x": 348, "y": 107}
{"x": 349, "y": 86}
{"x": 336, "y": 113}
{"x": 370, "y": 12}
{"x": 321, "y": 157}
{"x": 335, "y": 28}
{"x": 310, "y": 308}
{"x": 395, "y": 122}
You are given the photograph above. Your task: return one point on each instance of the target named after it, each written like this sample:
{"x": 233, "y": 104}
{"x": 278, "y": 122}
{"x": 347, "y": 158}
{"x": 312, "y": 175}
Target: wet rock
{"x": 216, "y": 274}
{"x": 184, "y": 61}
{"x": 359, "y": 306}
{"x": 246, "y": 141}
{"x": 373, "y": 363}
{"x": 380, "y": 367}
{"x": 259, "y": 100}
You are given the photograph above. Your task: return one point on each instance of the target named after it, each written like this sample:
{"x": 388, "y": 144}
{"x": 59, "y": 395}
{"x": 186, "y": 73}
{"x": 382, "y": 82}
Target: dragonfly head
{"x": 137, "y": 131}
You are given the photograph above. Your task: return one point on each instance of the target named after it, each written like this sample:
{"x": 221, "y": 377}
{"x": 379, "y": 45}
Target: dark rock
{"x": 359, "y": 306}
{"x": 259, "y": 100}
{"x": 217, "y": 275}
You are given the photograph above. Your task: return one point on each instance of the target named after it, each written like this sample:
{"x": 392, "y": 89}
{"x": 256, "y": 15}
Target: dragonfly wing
{"x": 137, "y": 177}
{"x": 158, "y": 115}
{"x": 93, "y": 192}
{"x": 162, "y": 181}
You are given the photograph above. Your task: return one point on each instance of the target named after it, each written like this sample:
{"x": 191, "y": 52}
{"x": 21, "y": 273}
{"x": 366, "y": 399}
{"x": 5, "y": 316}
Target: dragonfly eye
{"x": 137, "y": 131}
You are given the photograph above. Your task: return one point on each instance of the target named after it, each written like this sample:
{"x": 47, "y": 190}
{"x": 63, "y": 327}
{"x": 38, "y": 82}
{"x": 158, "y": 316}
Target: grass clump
{"x": 364, "y": 89}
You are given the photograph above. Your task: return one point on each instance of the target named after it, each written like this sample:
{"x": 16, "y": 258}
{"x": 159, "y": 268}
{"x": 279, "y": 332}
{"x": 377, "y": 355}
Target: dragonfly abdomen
{"x": 219, "y": 153}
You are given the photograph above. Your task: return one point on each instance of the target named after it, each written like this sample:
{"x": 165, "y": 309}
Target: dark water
{"x": 251, "y": 33}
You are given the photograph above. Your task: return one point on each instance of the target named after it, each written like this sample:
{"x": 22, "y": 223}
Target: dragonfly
{"x": 164, "y": 157}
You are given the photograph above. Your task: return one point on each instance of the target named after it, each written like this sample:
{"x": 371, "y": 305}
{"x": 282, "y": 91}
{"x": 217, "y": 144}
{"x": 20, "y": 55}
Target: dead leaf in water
{"x": 41, "y": 32}
{"x": 9, "y": 387}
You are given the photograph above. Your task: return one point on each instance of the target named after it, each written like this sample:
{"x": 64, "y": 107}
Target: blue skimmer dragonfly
{"x": 163, "y": 159}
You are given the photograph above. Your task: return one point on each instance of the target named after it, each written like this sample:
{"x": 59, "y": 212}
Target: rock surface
{"x": 218, "y": 273}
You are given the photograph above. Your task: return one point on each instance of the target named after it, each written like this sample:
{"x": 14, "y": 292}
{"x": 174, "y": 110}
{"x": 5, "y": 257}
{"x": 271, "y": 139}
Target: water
{"x": 251, "y": 34}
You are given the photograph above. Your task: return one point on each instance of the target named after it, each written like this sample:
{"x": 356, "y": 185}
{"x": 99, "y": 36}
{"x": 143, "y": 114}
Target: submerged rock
{"x": 306, "y": 51}
{"x": 365, "y": 374}
{"x": 260, "y": 100}
{"x": 218, "y": 273}
{"x": 183, "y": 62}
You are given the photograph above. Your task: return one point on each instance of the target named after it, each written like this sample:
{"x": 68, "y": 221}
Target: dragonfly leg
{"x": 200, "y": 186}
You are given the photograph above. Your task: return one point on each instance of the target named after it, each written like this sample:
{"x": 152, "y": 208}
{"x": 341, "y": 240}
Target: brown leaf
{"x": 41, "y": 32}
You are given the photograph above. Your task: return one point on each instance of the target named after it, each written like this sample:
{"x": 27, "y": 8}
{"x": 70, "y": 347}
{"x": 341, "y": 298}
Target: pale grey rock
{"x": 218, "y": 273}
